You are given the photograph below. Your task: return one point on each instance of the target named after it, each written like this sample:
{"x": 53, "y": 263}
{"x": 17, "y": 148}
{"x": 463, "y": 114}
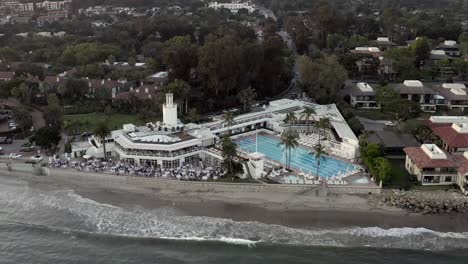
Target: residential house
{"x": 233, "y": 7}
{"x": 144, "y": 92}
{"x": 383, "y": 43}
{"x": 373, "y": 51}
{"x": 362, "y": 95}
{"x": 7, "y": 75}
{"x": 450, "y": 47}
{"x": 415, "y": 91}
{"x": 453, "y": 137}
{"x": 431, "y": 165}
{"x": 454, "y": 94}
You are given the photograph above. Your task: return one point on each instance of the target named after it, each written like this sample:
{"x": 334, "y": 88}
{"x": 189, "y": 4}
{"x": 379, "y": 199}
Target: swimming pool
{"x": 301, "y": 158}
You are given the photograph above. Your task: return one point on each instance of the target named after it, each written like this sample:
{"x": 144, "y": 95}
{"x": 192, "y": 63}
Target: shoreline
{"x": 290, "y": 216}
{"x": 286, "y": 209}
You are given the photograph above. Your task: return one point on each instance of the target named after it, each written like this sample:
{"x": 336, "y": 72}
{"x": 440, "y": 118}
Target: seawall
{"x": 75, "y": 177}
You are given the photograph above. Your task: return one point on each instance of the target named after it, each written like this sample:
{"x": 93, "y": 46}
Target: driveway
{"x": 372, "y": 125}
{"x": 37, "y": 116}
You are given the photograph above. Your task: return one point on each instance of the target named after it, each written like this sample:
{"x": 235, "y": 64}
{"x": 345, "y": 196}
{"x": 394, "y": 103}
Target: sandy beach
{"x": 287, "y": 209}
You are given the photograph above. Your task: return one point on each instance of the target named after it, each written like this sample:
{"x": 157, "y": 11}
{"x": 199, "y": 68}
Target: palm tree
{"x": 102, "y": 131}
{"x": 324, "y": 123}
{"x": 307, "y": 114}
{"x": 290, "y": 118}
{"x": 181, "y": 89}
{"x": 229, "y": 120}
{"x": 23, "y": 118}
{"x": 229, "y": 152}
{"x": 363, "y": 139}
{"x": 319, "y": 155}
{"x": 246, "y": 96}
{"x": 193, "y": 115}
{"x": 290, "y": 141}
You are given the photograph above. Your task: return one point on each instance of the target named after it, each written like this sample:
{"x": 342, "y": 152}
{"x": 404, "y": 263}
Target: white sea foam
{"x": 66, "y": 209}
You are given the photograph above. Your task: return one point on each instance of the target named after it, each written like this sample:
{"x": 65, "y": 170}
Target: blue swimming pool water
{"x": 301, "y": 158}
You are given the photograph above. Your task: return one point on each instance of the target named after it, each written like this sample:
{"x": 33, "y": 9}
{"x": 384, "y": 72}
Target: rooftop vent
{"x": 413, "y": 83}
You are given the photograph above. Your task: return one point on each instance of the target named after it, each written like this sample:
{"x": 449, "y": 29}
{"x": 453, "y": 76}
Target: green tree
{"x": 193, "y": 115}
{"x": 364, "y": 139}
{"x": 306, "y": 114}
{"x": 403, "y": 109}
{"x": 23, "y": 118}
{"x": 403, "y": 62}
{"x": 383, "y": 169}
{"x": 355, "y": 125}
{"x": 289, "y": 140}
{"x": 319, "y": 156}
{"x": 180, "y": 55}
{"x": 102, "y": 132}
{"x": 229, "y": 120}
{"x": 290, "y": 119}
{"x": 461, "y": 66}
{"x": 323, "y": 124}
{"x": 74, "y": 89}
{"x": 422, "y": 51}
{"x": 229, "y": 152}
{"x": 384, "y": 95}
{"x": 23, "y": 92}
{"x": 47, "y": 138}
{"x": 180, "y": 89}
{"x": 111, "y": 59}
{"x": 247, "y": 96}
{"x": 53, "y": 113}
{"x": 323, "y": 77}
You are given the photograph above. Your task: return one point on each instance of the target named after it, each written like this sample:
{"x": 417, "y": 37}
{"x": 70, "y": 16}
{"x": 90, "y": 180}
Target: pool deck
{"x": 294, "y": 172}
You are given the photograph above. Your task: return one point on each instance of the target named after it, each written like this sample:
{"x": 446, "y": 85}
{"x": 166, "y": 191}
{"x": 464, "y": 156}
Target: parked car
{"x": 27, "y": 147}
{"x": 5, "y": 140}
{"x": 390, "y": 124}
{"x": 15, "y": 156}
{"x": 37, "y": 158}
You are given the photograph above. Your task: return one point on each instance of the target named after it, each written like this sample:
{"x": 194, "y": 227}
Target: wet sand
{"x": 305, "y": 217}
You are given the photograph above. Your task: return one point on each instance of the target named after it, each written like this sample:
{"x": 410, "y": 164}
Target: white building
{"x": 170, "y": 143}
{"x": 53, "y": 5}
{"x": 26, "y": 7}
{"x": 233, "y": 7}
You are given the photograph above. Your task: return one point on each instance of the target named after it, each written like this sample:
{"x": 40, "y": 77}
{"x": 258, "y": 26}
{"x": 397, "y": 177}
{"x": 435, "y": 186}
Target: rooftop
{"x": 422, "y": 159}
{"x": 451, "y": 136}
{"x": 412, "y": 87}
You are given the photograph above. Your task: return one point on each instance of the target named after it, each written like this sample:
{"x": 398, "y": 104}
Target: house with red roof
{"x": 434, "y": 166}
{"x": 454, "y": 137}
{"x": 7, "y": 75}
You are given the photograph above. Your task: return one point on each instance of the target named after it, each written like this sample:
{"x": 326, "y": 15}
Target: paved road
{"x": 372, "y": 125}
{"x": 293, "y": 88}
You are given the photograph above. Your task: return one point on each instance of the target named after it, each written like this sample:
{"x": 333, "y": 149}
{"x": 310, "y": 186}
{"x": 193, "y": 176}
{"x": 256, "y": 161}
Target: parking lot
{"x": 15, "y": 147}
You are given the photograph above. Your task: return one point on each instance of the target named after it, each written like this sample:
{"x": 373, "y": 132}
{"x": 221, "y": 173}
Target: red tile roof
{"x": 7, "y": 75}
{"x": 140, "y": 92}
{"x": 422, "y": 160}
{"x": 451, "y": 137}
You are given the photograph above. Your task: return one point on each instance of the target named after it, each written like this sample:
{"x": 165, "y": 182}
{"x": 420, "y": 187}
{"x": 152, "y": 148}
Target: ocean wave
{"x": 65, "y": 210}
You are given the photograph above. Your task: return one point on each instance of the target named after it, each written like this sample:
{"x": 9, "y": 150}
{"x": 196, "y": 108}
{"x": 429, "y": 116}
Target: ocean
{"x": 47, "y": 224}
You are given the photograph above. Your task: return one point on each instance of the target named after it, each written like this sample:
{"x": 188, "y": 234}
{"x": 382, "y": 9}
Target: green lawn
{"x": 400, "y": 177}
{"x": 115, "y": 121}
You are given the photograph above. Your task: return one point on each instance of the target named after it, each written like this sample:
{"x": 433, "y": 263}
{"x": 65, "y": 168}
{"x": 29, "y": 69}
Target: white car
{"x": 390, "y": 124}
{"x": 15, "y": 156}
{"x": 36, "y": 158}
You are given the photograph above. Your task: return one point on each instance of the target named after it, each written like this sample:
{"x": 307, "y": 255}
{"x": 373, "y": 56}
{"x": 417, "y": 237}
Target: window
{"x": 448, "y": 178}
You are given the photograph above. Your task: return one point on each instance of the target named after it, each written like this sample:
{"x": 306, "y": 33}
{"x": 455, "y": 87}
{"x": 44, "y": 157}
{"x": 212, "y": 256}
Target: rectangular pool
{"x": 301, "y": 158}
